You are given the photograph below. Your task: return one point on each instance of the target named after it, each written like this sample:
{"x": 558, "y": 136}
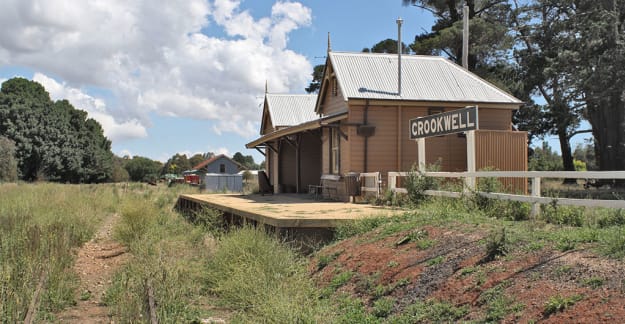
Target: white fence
{"x": 535, "y": 177}
{"x": 370, "y": 182}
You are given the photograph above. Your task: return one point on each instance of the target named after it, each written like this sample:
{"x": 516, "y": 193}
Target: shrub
{"x": 558, "y": 303}
{"x": 383, "y": 306}
{"x": 416, "y": 185}
{"x": 496, "y": 245}
{"x": 563, "y": 215}
{"x": 613, "y": 242}
{"x": 612, "y": 217}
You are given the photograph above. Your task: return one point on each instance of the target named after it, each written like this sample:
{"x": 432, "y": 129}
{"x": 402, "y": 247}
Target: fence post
{"x": 471, "y": 181}
{"x": 391, "y": 181}
{"x": 535, "y": 193}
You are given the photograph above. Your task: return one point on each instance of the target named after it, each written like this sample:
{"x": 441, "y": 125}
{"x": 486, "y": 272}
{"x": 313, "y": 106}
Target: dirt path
{"x": 96, "y": 263}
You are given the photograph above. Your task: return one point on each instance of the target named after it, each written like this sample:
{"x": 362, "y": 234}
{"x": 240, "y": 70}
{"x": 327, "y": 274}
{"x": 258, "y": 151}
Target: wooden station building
{"x": 360, "y": 121}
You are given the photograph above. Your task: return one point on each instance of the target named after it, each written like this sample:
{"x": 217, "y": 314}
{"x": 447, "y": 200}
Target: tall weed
{"x": 266, "y": 281}
{"x": 40, "y": 224}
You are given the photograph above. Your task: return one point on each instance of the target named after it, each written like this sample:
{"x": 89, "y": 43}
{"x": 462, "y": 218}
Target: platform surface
{"x": 290, "y": 210}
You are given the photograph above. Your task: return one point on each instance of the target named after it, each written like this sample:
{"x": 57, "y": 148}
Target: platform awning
{"x": 315, "y": 124}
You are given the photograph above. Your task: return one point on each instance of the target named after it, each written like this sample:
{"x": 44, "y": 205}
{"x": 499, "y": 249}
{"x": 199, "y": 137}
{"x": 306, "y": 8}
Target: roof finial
{"x": 266, "y": 86}
{"x": 329, "y": 44}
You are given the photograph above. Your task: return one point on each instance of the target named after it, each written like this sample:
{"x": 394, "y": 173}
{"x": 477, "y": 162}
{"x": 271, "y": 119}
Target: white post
{"x": 470, "y": 181}
{"x": 535, "y": 193}
{"x": 421, "y": 153}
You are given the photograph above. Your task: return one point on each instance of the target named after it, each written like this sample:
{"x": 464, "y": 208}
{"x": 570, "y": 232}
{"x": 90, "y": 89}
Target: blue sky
{"x": 187, "y": 76}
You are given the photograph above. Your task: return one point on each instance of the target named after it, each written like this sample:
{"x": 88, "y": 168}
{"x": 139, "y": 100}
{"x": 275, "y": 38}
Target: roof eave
{"x": 314, "y": 124}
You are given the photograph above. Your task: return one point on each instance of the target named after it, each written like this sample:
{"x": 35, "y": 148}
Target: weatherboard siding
{"x": 333, "y": 104}
{"x": 503, "y": 151}
{"x": 495, "y": 119}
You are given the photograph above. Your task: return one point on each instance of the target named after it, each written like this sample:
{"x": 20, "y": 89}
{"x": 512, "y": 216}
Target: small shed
{"x": 221, "y": 164}
{"x": 223, "y": 182}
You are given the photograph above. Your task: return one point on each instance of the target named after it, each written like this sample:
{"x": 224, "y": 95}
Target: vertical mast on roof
{"x": 399, "y": 21}
{"x": 266, "y": 86}
{"x": 329, "y": 45}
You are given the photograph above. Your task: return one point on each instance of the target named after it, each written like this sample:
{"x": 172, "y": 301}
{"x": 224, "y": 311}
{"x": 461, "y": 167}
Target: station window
{"x": 222, "y": 168}
{"x": 335, "y": 147}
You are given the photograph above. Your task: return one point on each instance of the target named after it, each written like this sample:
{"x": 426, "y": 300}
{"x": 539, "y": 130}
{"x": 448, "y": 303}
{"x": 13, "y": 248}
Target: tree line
{"x": 564, "y": 58}
{"x": 41, "y": 139}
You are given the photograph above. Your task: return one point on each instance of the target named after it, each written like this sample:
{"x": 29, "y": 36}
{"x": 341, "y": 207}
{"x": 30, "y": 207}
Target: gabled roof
{"x": 215, "y": 158}
{"x": 424, "y": 78}
{"x": 289, "y": 110}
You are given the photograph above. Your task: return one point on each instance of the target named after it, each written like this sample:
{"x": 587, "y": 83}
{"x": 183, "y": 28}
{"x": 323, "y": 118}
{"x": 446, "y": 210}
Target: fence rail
{"x": 370, "y": 182}
{"x": 535, "y": 177}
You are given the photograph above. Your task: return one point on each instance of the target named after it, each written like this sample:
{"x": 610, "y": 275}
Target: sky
{"x": 185, "y": 76}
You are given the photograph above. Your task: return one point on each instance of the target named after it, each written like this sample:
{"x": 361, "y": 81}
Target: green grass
{"x": 168, "y": 254}
{"x": 40, "y": 224}
{"x": 263, "y": 280}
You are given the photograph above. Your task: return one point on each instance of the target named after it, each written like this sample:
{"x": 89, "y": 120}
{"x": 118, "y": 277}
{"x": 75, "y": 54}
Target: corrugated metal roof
{"x": 424, "y": 78}
{"x": 290, "y": 110}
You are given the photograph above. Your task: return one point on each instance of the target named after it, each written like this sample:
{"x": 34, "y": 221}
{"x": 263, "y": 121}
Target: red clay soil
{"x": 97, "y": 261}
{"x": 455, "y": 269}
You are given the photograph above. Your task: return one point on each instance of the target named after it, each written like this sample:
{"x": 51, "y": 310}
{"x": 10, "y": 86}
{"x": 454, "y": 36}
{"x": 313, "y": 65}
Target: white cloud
{"x": 155, "y": 58}
{"x": 125, "y": 152}
{"x": 95, "y": 107}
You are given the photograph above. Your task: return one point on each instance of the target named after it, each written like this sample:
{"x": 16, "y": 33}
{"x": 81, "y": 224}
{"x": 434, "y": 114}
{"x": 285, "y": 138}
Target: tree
{"x": 143, "y": 169}
{"x": 542, "y": 39}
{"x": 317, "y": 75}
{"x": 387, "y": 46}
{"x": 489, "y": 41}
{"x": 8, "y": 164}
{"x": 176, "y": 164}
{"x": 575, "y": 52}
{"x": 119, "y": 172}
{"x": 245, "y": 160}
{"x": 544, "y": 159}
{"x": 586, "y": 153}
{"x": 597, "y": 65}
{"x": 53, "y": 139}
{"x": 199, "y": 158}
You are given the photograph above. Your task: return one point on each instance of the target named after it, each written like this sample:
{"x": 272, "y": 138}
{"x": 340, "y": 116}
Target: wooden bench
{"x": 327, "y": 187}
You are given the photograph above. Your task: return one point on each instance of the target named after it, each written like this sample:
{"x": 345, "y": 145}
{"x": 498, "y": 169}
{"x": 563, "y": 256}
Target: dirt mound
{"x": 457, "y": 267}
